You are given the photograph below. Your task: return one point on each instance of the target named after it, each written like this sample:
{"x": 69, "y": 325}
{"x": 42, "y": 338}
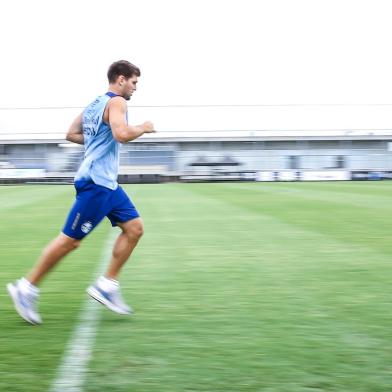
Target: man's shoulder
{"x": 117, "y": 98}
{"x": 117, "y": 102}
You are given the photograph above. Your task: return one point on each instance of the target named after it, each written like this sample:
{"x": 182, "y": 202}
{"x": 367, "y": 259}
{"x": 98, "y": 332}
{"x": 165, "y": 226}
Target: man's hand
{"x": 148, "y": 127}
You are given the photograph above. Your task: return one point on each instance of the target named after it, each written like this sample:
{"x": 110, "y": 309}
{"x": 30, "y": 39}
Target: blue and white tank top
{"x": 101, "y": 149}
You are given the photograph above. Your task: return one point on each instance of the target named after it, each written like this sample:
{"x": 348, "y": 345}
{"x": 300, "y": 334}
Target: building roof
{"x": 199, "y": 123}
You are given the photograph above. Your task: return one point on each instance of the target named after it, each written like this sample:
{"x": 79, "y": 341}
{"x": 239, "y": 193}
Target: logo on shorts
{"x": 86, "y": 227}
{"x": 75, "y": 222}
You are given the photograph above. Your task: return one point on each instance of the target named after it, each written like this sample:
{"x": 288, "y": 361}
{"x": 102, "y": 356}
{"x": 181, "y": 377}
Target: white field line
{"x": 74, "y": 364}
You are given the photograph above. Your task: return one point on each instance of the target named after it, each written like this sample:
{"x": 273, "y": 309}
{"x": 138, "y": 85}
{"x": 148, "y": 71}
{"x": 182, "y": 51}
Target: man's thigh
{"x": 92, "y": 204}
{"x": 123, "y": 209}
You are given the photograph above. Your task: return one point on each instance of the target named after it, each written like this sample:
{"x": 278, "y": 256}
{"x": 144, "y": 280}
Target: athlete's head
{"x": 123, "y": 77}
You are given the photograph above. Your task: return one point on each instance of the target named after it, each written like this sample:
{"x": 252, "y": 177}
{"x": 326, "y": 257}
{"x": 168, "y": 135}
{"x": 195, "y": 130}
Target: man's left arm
{"x": 75, "y": 131}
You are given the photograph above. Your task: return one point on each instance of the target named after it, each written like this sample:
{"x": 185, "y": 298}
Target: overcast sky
{"x": 201, "y": 52}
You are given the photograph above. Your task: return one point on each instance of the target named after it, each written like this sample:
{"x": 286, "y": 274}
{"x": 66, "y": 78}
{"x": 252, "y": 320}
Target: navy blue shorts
{"x": 94, "y": 202}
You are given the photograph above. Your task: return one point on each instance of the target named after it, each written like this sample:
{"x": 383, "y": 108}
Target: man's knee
{"x": 68, "y": 242}
{"x": 75, "y": 244}
{"x": 133, "y": 229}
{"x": 139, "y": 230}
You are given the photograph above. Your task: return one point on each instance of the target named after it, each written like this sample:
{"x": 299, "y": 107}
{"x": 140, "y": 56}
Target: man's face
{"x": 129, "y": 86}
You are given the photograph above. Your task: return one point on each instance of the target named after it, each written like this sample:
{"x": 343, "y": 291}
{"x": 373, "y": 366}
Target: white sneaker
{"x": 111, "y": 299}
{"x": 25, "y": 302}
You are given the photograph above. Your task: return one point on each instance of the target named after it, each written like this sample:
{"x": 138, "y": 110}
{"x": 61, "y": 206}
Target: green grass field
{"x": 236, "y": 287}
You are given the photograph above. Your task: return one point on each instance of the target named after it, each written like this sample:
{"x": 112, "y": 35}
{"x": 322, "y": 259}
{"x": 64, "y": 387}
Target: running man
{"x": 101, "y": 127}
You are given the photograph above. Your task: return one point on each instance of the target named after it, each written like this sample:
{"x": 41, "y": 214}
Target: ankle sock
{"x": 27, "y": 287}
{"x": 107, "y": 284}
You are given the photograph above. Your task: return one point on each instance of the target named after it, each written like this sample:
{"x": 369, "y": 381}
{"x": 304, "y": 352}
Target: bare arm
{"x": 75, "y": 131}
{"x": 123, "y": 132}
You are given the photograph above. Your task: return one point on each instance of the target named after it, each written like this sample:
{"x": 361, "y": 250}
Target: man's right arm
{"x": 123, "y": 132}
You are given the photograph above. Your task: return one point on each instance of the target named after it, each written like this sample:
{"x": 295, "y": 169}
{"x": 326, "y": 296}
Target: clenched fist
{"x": 148, "y": 127}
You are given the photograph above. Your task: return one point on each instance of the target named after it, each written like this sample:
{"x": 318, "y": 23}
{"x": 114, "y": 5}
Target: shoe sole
{"x": 95, "y": 294}
{"x": 12, "y": 291}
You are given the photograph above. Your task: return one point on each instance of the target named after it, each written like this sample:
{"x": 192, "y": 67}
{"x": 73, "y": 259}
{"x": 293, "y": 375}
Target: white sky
{"x": 202, "y": 52}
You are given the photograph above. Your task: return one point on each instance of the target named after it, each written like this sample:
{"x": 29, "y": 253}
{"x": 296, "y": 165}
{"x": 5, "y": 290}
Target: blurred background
{"x": 211, "y": 143}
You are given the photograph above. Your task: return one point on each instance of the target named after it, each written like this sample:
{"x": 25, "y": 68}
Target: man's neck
{"x": 114, "y": 89}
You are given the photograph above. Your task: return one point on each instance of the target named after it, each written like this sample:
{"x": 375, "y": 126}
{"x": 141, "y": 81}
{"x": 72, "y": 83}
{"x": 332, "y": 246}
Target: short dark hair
{"x": 122, "y": 67}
